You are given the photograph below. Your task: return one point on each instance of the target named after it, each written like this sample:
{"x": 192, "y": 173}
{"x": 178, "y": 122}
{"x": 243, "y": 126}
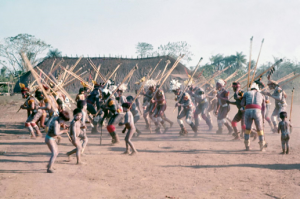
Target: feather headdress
{"x": 174, "y": 84}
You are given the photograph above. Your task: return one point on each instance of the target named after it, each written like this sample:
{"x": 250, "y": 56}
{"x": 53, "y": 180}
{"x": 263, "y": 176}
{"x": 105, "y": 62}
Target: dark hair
{"x": 126, "y": 105}
{"x": 76, "y": 110}
{"x": 64, "y": 115}
{"x": 81, "y": 90}
{"x": 59, "y": 102}
{"x": 129, "y": 98}
{"x": 81, "y": 104}
{"x": 283, "y": 114}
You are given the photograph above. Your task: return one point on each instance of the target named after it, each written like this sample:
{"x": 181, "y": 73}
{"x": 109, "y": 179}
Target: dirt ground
{"x": 207, "y": 166}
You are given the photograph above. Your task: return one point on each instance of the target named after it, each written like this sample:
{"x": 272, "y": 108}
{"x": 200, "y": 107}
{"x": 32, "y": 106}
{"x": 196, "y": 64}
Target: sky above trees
{"x": 114, "y": 27}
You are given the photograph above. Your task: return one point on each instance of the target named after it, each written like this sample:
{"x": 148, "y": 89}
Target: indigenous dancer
{"x": 158, "y": 110}
{"x": 280, "y": 101}
{"x": 267, "y": 101}
{"x": 31, "y": 105}
{"x": 134, "y": 111}
{"x": 54, "y": 130}
{"x": 129, "y": 124}
{"x": 110, "y": 109}
{"x": 255, "y": 106}
{"x": 92, "y": 100}
{"x": 185, "y": 107}
{"x": 212, "y": 100}
{"x": 81, "y": 104}
{"x": 202, "y": 105}
{"x": 147, "y": 105}
{"x": 223, "y": 107}
{"x": 239, "y": 116}
{"x": 75, "y": 131}
{"x": 120, "y": 97}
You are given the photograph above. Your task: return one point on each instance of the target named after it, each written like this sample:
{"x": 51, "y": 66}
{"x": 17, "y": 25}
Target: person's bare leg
{"x": 36, "y": 128}
{"x": 128, "y": 140}
{"x": 54, "y": 152}
{"x": 127, "y": 150}
{"x": 84, "y": 143}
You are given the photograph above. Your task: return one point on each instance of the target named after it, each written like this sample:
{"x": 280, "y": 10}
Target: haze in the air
{"x": 114, "y": 27}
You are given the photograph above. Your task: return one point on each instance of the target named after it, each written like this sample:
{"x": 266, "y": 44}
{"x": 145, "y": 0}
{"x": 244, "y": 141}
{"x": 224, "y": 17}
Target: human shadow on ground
{"x": 13, "y": 128}
{"x": 260, "y": 166}
{"x": 22, "y": 143}
{"x": 24, "y": 171}
{"x": 23, "y": 154}
{"x": 195, "y": 151}
{"x": 24, "y": 161}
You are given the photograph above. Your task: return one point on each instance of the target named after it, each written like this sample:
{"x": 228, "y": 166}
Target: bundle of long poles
{"x": 35, "y": 75}
{"x": 189, "y": 81}
{"x": 216, "y": 75}
{"x": 168, "y": 74}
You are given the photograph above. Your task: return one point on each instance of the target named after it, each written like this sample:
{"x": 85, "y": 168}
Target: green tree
{"x": 174, "y": 49}
{"x": 12, "y": 47}
{"x": 143, "y": 49}
{"x": 54, "y": 53}
{"x": 217, "y": 61}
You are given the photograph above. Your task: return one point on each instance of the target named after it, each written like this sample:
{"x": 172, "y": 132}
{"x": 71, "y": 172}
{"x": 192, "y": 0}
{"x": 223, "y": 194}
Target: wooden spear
{"x": 73, "y": 67}
{"x": 76, "y": 76}
{"x": 155, "y": 67}
{"x": 190, "y": 79}
{"x": 112, "y": 73}
{"x": 291, "y": 109}
{"x": 252, "y": 80}
{"x": 81, "y": 75}
{"x": 249, "y": 66}
{"x": 217, "y": 74}
{"x": 35, "y": 75}
{"x": 94, "y": 67}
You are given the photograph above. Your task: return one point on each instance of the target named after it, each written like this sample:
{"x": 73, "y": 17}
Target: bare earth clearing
{"x": 207, "y": 166}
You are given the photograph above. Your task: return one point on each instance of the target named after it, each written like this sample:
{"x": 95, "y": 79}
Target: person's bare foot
{"x": 80, "y": 163}
{"x": 50, "y": 171}
{"x": 69, "y": 157}
{"x": 126, "y": 152}
{"x": 134, "y": 153}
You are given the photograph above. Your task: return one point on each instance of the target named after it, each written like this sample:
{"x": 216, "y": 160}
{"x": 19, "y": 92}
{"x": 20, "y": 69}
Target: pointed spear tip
{"x": 263, "y": 41}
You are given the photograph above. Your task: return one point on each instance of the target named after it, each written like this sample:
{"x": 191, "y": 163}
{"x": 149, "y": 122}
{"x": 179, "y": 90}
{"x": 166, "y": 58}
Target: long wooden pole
{"x": 249, "y": 66}
{"x": 252, "y": 80}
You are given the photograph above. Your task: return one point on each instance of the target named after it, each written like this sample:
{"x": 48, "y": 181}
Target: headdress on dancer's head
{"x": 186, "y": 82}
{"x": 122, "y": 87}
{"x": 96, "y": 85}
{"x": 140, "y": 81}
{"x": 85, "y": 85}
{"x": 254, "y": 86}
{"x": 221, "y": 82}
{"x": 24, "y": 89}
{"x": 106, "y": 92}
{"x": 174, "y": 85}
{"x": 150, "y": 83}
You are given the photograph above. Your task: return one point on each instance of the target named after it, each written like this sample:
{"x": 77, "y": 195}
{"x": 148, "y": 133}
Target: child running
{"x": 75, "y": 132}
{"x": 283, "y": 127}
{"x": 129, "y": 124}
{"x": 54, "y": 130}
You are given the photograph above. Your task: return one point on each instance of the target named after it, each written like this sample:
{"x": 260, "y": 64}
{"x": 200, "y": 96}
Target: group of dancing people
{"x": 105, "y": 104}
